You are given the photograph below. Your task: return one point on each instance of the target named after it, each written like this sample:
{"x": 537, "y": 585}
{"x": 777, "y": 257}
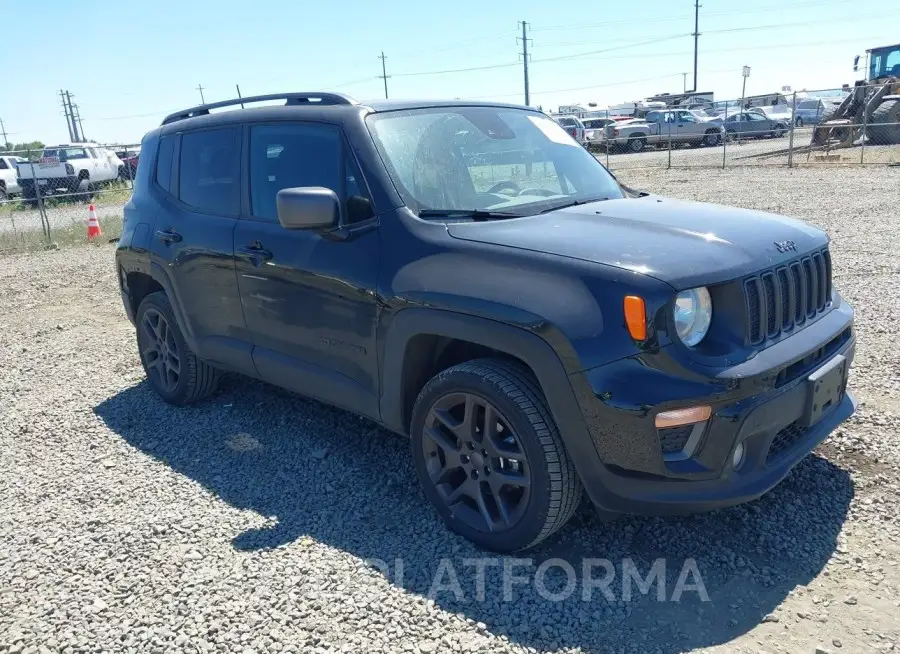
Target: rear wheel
{"x": 637, "y": 143}
{"x": 711, "y": 139}
{"x": 173, "y": 370}
{"x": 489, "y": 456}
{"x": 880, "y": 133}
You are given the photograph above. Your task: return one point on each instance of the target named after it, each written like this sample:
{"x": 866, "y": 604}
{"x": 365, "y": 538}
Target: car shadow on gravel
{"x": 342, "y": 481}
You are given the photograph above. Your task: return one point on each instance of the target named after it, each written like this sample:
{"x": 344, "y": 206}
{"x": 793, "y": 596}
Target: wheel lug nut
{"x": 471, "y": 446}
{"x": 474, "y": 474}
{"x": 487, "y": 470}
{"x": 464, "y": 458}
{"x": 483, "y": 452}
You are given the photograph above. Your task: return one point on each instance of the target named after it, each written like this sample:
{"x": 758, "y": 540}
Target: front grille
{"x": 784, "y": 440}
{"x": 673, "y": 439}
{"x": 785, "y": 297}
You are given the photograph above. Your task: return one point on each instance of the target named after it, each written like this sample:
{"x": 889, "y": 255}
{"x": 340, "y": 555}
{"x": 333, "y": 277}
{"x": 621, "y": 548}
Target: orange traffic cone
{"x": 93, "y": 225}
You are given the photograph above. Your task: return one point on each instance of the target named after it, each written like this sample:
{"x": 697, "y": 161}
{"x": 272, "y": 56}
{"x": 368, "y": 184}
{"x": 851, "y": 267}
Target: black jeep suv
{"x": 466, "y": 274}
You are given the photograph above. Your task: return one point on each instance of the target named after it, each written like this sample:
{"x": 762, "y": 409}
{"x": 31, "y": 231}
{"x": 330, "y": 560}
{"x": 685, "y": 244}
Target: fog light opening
{"x": 737, "y": 459}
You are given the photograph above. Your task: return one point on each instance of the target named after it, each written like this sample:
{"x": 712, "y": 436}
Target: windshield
{"x": 486, "y": 159}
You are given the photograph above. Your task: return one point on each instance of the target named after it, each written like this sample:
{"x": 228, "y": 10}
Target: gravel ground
{"x": 250, "y": 523}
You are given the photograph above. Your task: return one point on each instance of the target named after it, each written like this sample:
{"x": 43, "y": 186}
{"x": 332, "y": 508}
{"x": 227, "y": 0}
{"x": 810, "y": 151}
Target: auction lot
{"x": 262, "y": 522}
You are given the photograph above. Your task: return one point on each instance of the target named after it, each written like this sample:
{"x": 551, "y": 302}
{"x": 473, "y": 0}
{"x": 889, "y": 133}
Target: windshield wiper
{"x": 476, "y": 214}
{"x": 573, "y": 203}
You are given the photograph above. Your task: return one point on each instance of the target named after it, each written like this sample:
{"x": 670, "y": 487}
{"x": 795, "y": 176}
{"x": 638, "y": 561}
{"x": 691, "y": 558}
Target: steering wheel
{"x": 499, "y": 186}
{"x": 537, "y": 191}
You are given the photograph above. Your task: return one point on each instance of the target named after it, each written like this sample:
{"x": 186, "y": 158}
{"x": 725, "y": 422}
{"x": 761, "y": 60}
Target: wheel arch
{"x": 421, "y": 342}
{"x": 141, "y": 282}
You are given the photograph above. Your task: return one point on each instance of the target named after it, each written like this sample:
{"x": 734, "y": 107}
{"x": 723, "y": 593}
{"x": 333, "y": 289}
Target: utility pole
{"x": 696, "y": 37}
{"x": 524, "y": 54}
{"x": 384, "y": 76}
{"x": 200, "y": 88}
{"x": 240, "y": 97}
{"x": 76, "y": 114}
{"x": 685, "y": 82}
{"x": 62, "y": 96}
{"x": 75, "y": 130}
{"x": 3, "y": 131}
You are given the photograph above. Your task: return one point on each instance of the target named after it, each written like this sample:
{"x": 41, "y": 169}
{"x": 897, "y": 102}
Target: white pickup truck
{"x": 9, "y": 182}
{"x": 69, "y": 168}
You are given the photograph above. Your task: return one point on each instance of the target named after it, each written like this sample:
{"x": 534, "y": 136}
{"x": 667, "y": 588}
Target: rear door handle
{"x": 255, "y": 252}
{"x": 168, "y": 236}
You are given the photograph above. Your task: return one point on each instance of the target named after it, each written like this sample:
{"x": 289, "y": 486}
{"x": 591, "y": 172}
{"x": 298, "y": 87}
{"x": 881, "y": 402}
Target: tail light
{"x": 69, "y": 169}
{"x": 615, "y": 132}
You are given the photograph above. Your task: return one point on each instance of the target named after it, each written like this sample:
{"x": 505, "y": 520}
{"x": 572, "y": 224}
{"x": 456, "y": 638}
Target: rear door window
{"x": 208, "y": 177}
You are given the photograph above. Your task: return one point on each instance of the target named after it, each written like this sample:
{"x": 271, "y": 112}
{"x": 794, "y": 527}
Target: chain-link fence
{"x": 855, "y": 125}
{"x": 45, "y": 195}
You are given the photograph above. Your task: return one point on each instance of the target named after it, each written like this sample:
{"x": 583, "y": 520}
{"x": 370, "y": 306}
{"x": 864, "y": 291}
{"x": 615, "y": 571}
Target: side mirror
{"x": 308, "y": 207}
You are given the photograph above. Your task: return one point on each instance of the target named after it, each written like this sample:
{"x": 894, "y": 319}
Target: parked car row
{"x": 68, "y": 168}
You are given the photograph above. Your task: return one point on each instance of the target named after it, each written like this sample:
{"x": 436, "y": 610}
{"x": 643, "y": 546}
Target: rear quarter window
{"x": 164, "y": 161}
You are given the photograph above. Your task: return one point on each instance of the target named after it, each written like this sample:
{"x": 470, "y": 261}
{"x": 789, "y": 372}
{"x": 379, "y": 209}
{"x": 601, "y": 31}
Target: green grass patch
{"x": 33, "y": 239}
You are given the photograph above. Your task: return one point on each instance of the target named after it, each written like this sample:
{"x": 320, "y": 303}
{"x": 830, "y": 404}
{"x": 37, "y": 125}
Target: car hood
{"x": 685, "y": 244}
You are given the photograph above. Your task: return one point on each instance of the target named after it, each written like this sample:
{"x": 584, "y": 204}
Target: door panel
{"x": 194, "y": 247}
{"x": 312, "y": 312}
{"x": 308, "y": 297}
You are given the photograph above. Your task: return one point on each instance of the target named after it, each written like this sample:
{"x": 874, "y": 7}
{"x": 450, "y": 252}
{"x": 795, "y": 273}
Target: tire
{"x": 196, "y": 379}
{"x": 712, "y": 139}
{"x": 637, "y": 144}
{"x": 553, "y": 491}
{"x": 821, "y": 135}
{"x": 799, "y": 122}
{"x": 3, "y": 194}
{"x": 887, "y": 112}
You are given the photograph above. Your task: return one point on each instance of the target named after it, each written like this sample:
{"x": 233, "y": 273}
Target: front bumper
{"x": 760, "y": 403}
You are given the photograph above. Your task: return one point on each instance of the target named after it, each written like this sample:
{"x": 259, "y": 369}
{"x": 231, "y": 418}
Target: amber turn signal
{"x": 636, "y": 317}
{"x": 680, "y": 417}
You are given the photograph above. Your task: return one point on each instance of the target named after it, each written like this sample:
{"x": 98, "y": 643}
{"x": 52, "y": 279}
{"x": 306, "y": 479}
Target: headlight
{"x": 692, "y": 313}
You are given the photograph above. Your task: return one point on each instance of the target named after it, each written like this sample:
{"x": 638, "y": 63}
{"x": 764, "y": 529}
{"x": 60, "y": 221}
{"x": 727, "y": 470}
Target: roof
{"x": 72, "y": 145}
{"x": 883, "y": 47}
{"x": 309, "y": 104}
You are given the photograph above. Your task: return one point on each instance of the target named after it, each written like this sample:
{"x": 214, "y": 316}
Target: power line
{"x": 384, "y": 76}
{"x": 662, "y": 19}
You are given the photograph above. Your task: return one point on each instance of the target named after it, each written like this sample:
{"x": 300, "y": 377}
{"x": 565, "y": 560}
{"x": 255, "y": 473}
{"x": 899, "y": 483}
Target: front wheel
{"x": 173, "y": 370}
{"x": 489, "y": 456}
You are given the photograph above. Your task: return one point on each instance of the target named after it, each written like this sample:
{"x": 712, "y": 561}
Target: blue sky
{"x": 129, "y": 63}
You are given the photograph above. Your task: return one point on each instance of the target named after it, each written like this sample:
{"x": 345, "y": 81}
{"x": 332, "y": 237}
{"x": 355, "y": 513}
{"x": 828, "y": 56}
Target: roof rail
{"x": 289, "y": 98}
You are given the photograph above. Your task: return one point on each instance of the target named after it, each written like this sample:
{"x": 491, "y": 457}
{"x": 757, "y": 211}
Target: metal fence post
{"x": 724, "y": 135}
{"x": 42, "y": 212}
{"x": 669, "y": 166}
{"x": 128, "y": 169}
{"x": 862, "y": 149}
{"x": 791, "y": 136}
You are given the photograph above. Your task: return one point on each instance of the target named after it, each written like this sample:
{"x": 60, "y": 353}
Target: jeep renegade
{"x": 467, "y": 275}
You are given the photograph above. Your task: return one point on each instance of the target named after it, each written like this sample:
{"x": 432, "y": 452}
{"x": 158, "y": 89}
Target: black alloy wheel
{"x": 159, "y": 350}
{"x": 490, "y": 457}
{"x": 476, "y": 463}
